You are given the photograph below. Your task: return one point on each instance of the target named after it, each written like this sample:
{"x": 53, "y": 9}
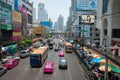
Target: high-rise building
{"x": 60, "y": 23}
{"x": 55, "y": 26}
{"x": 34, "y": 14}
{"x": 42, "y": 13}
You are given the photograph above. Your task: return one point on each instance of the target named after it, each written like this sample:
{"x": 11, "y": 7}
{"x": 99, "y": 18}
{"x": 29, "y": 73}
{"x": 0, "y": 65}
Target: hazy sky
{"x": 54, "y": 8}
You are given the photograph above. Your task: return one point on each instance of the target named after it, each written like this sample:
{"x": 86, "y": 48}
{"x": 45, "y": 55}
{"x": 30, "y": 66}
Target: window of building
{"x": 116, "y": 33}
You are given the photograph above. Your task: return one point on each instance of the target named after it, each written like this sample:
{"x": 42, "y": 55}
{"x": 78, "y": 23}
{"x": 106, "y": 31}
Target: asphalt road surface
{"x": 23, "y": 71}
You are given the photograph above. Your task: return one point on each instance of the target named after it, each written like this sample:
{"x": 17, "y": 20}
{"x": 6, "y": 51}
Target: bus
{"x": 38, "y": 57}
{"x": 68, "y": 47}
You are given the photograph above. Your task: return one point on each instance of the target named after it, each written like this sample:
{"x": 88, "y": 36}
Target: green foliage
{"x": 25, "y": 42}
{"x": 48, "y": 36}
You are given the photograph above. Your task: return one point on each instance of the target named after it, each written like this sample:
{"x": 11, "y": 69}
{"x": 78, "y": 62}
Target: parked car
{"x": 63, "y": 63}
{"x": 61, "y": 53}
{"x": 17, "y": 58}
{"x": 5, "y": 59}
{"x": 48, "y": 67}
{"x": 11, "y": 63}
{"x": 24, "y": 53}
{"x": 2, "y": 70}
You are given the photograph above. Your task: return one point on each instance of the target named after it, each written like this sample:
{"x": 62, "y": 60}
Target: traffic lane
{"x": 17, "y": 71}
{"x": 60, "y": 74}
{"x": 37, "y": 73}
{"x": 52, "y": 57}
{"x": 75, "y": 69}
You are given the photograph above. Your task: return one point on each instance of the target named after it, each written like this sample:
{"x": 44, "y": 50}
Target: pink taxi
{"x": 11, "y": 63}
{"x": 61, "y": 53}
{"x": 48, "y": 67}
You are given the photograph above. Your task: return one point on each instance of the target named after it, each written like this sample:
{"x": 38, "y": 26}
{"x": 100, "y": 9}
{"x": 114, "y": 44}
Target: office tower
{"x": 42, "y": 13}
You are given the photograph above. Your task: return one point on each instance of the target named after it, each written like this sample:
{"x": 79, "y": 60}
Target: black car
{"x": 2, "y": 70}
{"x": 63, "y": 63}
{"x": 24, "y": 53}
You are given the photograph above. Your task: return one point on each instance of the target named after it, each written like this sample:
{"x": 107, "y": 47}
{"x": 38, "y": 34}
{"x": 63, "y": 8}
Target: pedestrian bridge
{"x": 57, "y": 33}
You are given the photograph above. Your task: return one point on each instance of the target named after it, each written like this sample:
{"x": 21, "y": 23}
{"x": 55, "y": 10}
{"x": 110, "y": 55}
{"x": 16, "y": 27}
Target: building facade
{"x": 108, "y": 18}
{"x": 60, "y": 22}
{"x": 86, "y": 10}
{"x": 34, "y": 14}
{"x": 42, "y": 13}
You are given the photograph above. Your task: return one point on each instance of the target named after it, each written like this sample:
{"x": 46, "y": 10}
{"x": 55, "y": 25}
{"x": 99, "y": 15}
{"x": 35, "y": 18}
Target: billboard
{"x": 5, "y": 15}
{"x": 45, "y": 23}
{"x": 39, "y": 30}
{"x": 87, "y": 30}
{"x": 88, "y": 18}
{"x": 16, "y": 16}
{"x": 86, "y": 5}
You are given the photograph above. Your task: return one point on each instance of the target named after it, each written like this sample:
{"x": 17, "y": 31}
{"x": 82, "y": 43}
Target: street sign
{"x": 84, "y": 30}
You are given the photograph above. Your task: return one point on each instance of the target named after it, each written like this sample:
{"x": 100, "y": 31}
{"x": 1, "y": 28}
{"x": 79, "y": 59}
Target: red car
{"x": 11, "y": 63}
{"x": 61, "y": 53}
{"x": 48, "y": 67}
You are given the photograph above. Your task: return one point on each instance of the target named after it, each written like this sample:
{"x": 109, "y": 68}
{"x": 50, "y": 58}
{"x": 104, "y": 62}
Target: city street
{"x": 24, "y": 72}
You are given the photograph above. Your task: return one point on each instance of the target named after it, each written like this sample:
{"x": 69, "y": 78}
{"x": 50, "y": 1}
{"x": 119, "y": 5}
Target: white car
{"x": 5, "y": 59}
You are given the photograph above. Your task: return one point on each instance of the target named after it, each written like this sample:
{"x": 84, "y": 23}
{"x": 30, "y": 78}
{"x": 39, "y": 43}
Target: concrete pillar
{"x": 109, "y": 28}
{"x": 109, "y": 31}
{"x": 99, "y": 20}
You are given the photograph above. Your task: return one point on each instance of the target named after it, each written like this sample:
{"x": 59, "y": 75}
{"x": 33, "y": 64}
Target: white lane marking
{"x": 69, "y": 70}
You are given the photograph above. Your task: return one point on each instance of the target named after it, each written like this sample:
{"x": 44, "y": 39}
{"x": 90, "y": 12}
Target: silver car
{"x": 63, "y": 63}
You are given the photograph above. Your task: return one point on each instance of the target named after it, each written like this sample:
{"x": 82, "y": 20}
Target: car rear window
{"x": 48, "y": 66}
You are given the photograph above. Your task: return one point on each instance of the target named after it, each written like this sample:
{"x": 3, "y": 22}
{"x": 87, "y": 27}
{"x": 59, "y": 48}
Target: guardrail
{"x": 86, "y": 67}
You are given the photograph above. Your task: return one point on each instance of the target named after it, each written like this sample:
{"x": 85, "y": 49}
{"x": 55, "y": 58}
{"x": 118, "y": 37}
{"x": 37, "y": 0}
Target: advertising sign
{"x": 23, "y": 10}
{"x": 86, "y": 5}
{"x": 45, "y": 23}
{"x": 16, "y": 16}
{"x": 88, "y": 18}
{"x": 17, "y": 33}
{"x": 38, "y": 30}
{"x": 5, "y": 15}
{"x": 87, "y": 30}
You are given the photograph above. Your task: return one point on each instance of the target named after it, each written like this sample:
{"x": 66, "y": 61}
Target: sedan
{"x": 48, "y": 67}
{"x": 5, "y": 59}
{"x": 2, "y": 70}
{"x": 63, "y": 63}
{"x": 24, "y": 53}
{"x": 11, "y": 63}
{"x": 61, "y": 53}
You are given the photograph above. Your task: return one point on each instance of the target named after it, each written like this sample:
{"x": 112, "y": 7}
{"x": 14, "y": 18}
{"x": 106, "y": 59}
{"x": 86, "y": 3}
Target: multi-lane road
{"x": 23, "y": 71}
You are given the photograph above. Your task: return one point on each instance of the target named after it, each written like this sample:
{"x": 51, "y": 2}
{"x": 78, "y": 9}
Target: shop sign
{"x": 17, "y": 33}
{"x": 5, "y": 14}
{"x": 6, "y": 27}
{"x": 17, "y": 17}
{"x": 23, "y": 10}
